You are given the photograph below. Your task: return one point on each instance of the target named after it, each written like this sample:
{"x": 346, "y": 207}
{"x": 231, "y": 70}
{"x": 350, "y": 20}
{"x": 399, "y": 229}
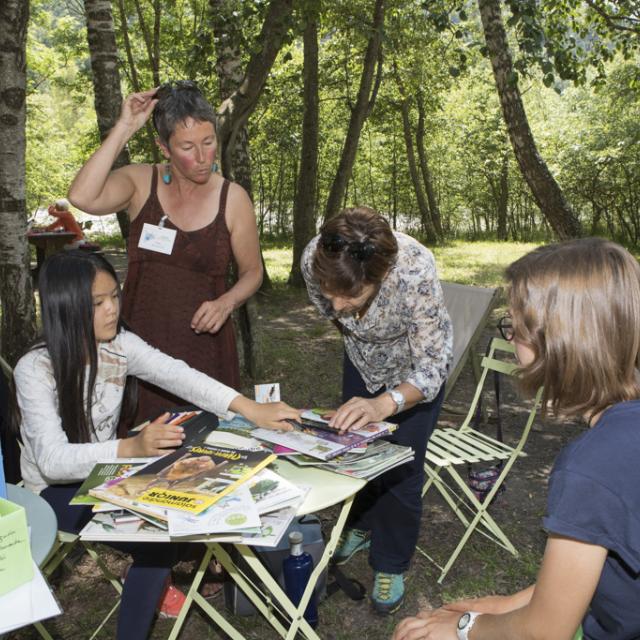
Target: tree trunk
{"x": 151, "y": 42}
{"x": 425, "y": 218}
{"x": 106, "y": 79}
{"x": 16, "y": 291}
{"x": 545, "y": 189}
{"x": 240, "y": 92}
{"x": 503, "y": 199}
{"x": 244, "y": 88}
{"x": 135, "y": 82}
{"x": 434, "y": 209}
{"x": 304, "y": 221}
{"x": 359, "y": 113}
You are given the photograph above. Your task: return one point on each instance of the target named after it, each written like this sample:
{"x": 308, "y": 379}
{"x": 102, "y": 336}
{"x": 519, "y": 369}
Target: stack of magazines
{"x": 197, "y": 492}
{"x": 377, "y": 458}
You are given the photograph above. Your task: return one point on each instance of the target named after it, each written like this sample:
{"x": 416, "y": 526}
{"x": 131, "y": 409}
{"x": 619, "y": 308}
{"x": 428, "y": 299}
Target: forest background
{"x": 458, "y": 120}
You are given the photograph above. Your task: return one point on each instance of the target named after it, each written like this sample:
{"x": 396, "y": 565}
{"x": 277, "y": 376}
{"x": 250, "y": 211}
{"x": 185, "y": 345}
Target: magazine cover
{"x": 379, "y": 457}
{"x": 189, "y": 479}
{"x": 105, "y": 472}
{"x": 237, "y": 511}
{"x": 322, "y": 441}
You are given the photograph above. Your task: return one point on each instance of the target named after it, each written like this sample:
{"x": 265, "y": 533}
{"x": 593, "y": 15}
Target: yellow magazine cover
{"x": 189, "y": 479}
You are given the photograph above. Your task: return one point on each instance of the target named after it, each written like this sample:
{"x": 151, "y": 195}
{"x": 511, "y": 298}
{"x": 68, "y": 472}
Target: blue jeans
{"x": 145, "y": 581}
{"x": 390, "y": 506}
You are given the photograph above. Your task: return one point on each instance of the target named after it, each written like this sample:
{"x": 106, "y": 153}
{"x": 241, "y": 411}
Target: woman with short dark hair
{"x": 188, "y": 224}
{"x": 381, "y": 290}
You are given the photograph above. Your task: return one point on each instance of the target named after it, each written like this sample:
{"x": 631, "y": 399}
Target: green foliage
{"x": 434, "y": 50}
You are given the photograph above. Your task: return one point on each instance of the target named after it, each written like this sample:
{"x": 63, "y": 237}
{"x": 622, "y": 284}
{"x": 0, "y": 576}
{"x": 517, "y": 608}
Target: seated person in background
{"x": 574, "y": 321}
{"x": 67, "y": 222}
{"x": 70, "y": 393}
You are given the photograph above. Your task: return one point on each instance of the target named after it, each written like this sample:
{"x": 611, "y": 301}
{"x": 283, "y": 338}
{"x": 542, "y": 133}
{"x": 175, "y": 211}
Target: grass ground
{"x": 303, "y": 352}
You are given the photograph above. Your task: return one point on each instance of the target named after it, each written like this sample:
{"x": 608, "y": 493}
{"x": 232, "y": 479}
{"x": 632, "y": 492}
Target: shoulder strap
{"x": 222, "y": 206}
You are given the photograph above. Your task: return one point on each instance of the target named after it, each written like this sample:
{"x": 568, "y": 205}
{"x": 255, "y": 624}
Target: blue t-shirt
{"x": 594, "y": 497}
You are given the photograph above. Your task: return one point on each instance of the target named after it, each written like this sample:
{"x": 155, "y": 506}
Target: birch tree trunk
{"x": 359, "y": 112}
{"x": 106, "y": 79}
{"x": 304, "y": 220}
{"x": 18, "y": 327}
{"x": 546, "y": 191}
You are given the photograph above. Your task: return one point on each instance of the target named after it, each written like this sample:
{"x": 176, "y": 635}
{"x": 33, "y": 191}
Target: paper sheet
{"x": 29, "y": 603}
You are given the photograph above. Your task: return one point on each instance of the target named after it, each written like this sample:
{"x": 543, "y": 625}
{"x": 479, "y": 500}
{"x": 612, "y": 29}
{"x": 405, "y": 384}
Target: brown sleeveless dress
{"x": 162, "y": 292}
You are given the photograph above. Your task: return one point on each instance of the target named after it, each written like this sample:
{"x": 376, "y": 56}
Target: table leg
{"x": 275, "y": 596}
{"x": 194, "y": 596}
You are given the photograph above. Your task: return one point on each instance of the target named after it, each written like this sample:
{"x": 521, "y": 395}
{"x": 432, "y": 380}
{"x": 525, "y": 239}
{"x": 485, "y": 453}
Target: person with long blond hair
{"x": 575, "y": 323}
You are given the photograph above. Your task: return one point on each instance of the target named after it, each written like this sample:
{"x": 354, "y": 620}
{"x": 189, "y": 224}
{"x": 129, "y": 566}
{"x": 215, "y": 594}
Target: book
{"x": 102, "y": 473}
{"x": 197, "y": 424}
{"x": 237, "y": 511}
{"x": 272, "y": 492}
{"x": 324, "y": 443}
{"x": 189, "y": 479}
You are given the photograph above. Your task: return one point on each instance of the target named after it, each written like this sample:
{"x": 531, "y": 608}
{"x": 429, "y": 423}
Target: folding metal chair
{"x": 469, "y": 308}
{"x": 449, "y": 449}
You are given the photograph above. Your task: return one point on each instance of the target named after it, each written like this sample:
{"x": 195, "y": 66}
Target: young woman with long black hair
{"x": 70, "y": 396}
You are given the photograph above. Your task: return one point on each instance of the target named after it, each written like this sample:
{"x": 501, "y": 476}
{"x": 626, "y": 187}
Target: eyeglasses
{"x": 505, "y": 327}
{"x": 358, "y": 250}
{"x": 168, "y": 88}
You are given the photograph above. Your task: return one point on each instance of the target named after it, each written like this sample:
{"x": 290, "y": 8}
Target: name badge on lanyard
{"x": 157, "y": 238}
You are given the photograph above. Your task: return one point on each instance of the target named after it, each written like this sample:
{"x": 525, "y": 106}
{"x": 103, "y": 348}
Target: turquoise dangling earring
{"x": 166, "y": 177}
{"x": 214, "y": 167}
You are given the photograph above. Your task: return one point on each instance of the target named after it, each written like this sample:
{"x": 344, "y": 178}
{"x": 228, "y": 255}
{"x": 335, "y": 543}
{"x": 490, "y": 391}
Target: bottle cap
{"x": 296, "y": 537}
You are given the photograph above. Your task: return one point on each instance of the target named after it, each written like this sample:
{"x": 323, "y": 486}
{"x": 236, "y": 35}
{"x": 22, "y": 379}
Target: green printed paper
{"x": 16, "y": 566}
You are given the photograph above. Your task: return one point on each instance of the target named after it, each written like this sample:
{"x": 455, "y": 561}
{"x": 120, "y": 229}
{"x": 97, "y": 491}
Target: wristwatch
{"x": 398, "y": 398}
{"x": 465, "y": 624}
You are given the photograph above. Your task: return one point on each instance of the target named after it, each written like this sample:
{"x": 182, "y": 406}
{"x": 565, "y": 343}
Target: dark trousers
{"x": 145, "y": 581}
{"x": 390, "y": 506}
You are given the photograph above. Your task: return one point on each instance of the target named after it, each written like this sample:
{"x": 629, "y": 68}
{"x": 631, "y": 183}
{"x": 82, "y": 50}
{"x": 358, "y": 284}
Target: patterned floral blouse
{"x": 406, "y": 334}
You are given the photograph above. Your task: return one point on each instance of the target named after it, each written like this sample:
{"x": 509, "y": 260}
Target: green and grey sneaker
{"x": 351, "y": 541}
{"x": 388, "y": 592}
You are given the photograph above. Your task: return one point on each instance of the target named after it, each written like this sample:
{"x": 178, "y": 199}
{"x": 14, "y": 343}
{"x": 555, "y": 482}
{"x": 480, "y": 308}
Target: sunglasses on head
{"x": 168, "y": 88}
{"x": 358, "y": 250}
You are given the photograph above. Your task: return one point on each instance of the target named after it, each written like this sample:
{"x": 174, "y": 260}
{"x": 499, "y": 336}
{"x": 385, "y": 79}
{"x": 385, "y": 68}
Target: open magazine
{"x": 321, "y": 441}
{"x": 190, "y": 479}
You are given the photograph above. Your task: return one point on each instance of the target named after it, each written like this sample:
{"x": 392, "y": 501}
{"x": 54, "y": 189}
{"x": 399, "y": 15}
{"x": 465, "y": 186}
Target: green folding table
{"x": 259, "y": 586}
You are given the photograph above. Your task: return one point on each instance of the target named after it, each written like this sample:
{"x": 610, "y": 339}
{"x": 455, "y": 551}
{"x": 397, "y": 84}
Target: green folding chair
{"x": 469, "y": 308}
{"x": 451, "y": 451}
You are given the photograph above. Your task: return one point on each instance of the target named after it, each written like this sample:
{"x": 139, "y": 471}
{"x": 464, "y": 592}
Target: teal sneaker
{"x": 388, "y": 592}
{"x": 351, "y": 541}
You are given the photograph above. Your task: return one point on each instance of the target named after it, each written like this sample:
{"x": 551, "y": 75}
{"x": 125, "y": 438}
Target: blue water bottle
{"x": 297, "y": 569}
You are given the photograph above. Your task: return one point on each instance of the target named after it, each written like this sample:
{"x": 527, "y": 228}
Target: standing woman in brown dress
{"x": 187, "y": 224}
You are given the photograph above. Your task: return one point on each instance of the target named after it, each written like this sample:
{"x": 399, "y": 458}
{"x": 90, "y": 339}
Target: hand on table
{"x": 153, "y": 440}
{"x": 211, "y": 315}
{"x": 358, "y": 412}
{"x": 269, "y": 415}
{"x": 436, "y": 624}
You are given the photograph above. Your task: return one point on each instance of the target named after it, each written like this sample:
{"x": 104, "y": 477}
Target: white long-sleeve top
{"x": 47, "y": 456}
